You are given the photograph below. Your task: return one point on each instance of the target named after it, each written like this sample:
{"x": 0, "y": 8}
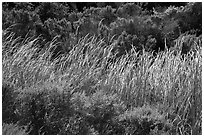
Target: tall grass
{"x": 168, "y": 82}
{"x": 11, "y": 129}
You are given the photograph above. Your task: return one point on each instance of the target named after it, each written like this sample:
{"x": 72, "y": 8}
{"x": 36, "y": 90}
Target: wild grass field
{"x": 90, "y": 92}
{"x": 86, "y": 94}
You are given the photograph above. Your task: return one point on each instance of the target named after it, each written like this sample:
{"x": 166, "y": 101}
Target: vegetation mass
{"x": 112, "y": 69}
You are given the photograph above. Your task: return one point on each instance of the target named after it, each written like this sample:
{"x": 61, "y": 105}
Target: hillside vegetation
{"x": 120, "y": 70}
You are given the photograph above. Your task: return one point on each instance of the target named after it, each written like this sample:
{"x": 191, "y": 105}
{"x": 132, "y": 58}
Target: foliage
{"x": 44, "y": 109}
{"x": 100, "y": 111}
{"x": 96, "y": 72}
{"x": 129, "y": 10}
{"x": 48, "y": 10}
{"x": 190, "y": 18}
{"x": 21, "y": 22}
{"x": 8, "y": 103}
{"x": 142, "y": 121}
{"x": 52, "y": 19}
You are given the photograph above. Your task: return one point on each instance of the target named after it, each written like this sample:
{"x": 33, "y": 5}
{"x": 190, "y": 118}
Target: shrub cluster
{"x": 152, "y": 31}
{"x": 51, "y": 109}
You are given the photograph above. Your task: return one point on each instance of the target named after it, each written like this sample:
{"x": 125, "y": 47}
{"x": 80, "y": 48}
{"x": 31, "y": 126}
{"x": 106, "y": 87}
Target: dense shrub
{"x": 52, "y": 10}
{"x": 44, "y": 109}
{"x": 20, "y": 22}
{"x": 129, "y": 10}
{"x": 107, "y": 14}
{"x": 8, "y": 103}
{"x": 142, "y": 34}
{"x": 190, "y": 18}
{"x": 99, "y": 111}
{"x": 153, "y": 31}
{"x": 143, "y": 121}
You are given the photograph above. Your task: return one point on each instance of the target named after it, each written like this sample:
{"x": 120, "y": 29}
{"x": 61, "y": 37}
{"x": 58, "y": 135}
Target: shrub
{"x": 44, "y": 108}
{"x": 142, "y": 33}
{"x": 108, "y": 14}
{"x": 52, "y": 10}
{"x": 129, "y": 10}
{"x": 190, "y": 18}
{"x": 99, "y": 111}
{"x": 142, "y": 120}
{"x": 21, "y": 22}
{"x": 8, "y": 103}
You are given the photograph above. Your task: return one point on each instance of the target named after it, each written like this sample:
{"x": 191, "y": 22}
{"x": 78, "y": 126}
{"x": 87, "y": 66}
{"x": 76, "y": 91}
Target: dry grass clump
{"x": 53, "y": 94}
{"x": 13, "y": 129}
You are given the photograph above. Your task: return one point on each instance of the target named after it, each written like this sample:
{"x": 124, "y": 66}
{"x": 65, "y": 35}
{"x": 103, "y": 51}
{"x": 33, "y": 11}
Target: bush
{"x": 152, "y": 31}
{"x": 143, "y": 120}
{"x": 8, "y": 103}
{"x": 190, "y": 18}
{"x": 44, "y": 108}
{"x": 20, "y": 22}
{"x": 99, "y": 111}
{"x": 145, "y": 34}
{"x": 129, "y": 10}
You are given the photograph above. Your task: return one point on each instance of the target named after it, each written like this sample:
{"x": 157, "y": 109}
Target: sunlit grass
{"x": 170, "y": 82}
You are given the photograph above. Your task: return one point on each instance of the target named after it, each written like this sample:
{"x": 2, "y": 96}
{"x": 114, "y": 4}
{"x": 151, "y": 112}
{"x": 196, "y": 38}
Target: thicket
{"x": 101, "y": 71}
{"x": 126, "y": 25}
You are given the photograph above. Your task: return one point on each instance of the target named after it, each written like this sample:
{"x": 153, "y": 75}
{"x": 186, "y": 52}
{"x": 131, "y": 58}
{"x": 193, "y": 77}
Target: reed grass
{"x": 169, "y": 82}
